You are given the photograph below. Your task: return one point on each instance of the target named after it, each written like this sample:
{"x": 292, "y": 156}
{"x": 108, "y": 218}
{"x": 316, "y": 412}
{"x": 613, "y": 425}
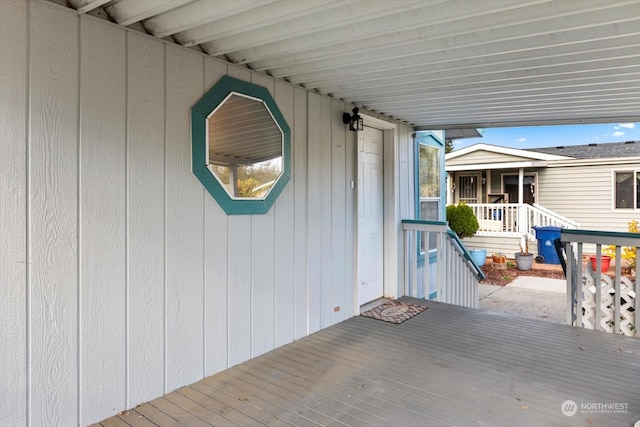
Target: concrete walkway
{"x": 527, "y": 296}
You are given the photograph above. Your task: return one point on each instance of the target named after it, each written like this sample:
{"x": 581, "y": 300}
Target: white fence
{"x": 453, "y": 275}
{"x": 516, "y": 220}
{"x": 596, "y": 300}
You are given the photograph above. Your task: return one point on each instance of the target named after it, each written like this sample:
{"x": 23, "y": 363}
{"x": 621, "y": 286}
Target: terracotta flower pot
{"x": 604, "y": 265}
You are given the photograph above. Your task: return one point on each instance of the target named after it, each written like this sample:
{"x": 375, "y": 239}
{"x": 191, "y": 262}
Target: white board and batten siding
{"x": 121, "y": 278}
{"x": 13, "y": 207}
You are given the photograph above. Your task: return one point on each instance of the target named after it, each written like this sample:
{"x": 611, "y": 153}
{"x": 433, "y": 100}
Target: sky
{"x": 553, "y": 136}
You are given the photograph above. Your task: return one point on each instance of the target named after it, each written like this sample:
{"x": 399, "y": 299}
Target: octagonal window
{"x": 246, "y": 159}
{"x": 241, "y": 146}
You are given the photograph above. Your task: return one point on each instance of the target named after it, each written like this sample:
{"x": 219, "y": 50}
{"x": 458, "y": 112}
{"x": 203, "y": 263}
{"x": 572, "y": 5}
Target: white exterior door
{"x": 370, "y": 216}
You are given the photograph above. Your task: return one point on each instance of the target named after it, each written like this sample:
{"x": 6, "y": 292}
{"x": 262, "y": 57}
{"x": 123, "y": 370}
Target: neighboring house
{"x": 593, "y": 186}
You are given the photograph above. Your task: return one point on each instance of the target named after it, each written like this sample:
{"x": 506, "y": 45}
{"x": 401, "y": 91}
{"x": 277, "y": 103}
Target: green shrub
{"x": 462, "y": 220}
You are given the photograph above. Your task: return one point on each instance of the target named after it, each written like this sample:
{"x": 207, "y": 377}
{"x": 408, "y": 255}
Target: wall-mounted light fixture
{"x": 355, "y": 122}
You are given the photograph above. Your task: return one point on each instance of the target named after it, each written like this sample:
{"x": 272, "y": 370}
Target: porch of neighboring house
{"x": 449, "y": 365}
{"x": 508, "y": 211}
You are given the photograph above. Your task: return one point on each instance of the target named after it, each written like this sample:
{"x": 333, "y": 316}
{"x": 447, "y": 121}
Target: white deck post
{"x": 522, "y": 214}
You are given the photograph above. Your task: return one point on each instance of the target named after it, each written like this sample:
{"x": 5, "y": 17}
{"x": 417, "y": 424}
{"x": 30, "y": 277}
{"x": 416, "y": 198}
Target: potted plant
{"x": 462, "y": 220}
{"x": 499, "y": 261}
{"x": 628, "y": 253}
{"x": 524, "y": 259}
{"x": 464, "y": 223}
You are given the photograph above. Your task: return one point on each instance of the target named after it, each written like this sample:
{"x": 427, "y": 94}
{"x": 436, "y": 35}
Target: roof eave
{"x": 503, "y": 165}
{"x": 504, "y": 150}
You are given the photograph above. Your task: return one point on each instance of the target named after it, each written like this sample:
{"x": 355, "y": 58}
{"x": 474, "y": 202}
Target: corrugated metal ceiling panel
{"x": 430, "y": 63}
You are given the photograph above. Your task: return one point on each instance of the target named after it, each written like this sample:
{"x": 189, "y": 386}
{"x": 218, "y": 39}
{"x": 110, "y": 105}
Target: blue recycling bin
{"x": 546, "y": 235}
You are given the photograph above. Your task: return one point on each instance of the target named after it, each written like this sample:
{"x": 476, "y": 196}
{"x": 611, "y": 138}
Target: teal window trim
{"x": 199, "y": 114}
{"x": 429, "y": 139}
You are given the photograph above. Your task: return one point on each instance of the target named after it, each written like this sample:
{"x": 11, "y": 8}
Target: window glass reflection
{"x": 244, "y": 147}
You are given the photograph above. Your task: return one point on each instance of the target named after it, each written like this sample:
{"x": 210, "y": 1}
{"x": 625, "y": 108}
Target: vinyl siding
{"x": 122, "y": 279}
{"x": 481, "y": 157}
{"x": 584, "y": 194}
{"x": 504, "y": 245}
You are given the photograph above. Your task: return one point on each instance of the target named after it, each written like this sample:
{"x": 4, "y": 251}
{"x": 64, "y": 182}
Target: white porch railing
{"x": 595, "y": 300}
{"x": 516, "y": 220}
{"x": 455, "y": 274}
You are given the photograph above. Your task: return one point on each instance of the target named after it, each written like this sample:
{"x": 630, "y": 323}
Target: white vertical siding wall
{"x": 54, "y": 265}
{"x": 145, "y": 232}
{"x": 14, "y": 327}
{"x": 121, "y": 278}
{"x": 102, "y": 217}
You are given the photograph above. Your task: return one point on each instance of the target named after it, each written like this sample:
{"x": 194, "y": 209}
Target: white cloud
{"x": 627, "y": 125}
{"x": 521, "y": 139}
{"x": 618, "y": 133}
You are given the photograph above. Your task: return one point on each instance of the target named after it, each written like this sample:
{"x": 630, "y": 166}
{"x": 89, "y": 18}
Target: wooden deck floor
{"x": 446, "y": 366}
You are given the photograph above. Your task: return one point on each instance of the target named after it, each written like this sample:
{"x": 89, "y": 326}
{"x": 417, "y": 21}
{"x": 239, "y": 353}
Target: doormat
{"x": 394, "y": 311}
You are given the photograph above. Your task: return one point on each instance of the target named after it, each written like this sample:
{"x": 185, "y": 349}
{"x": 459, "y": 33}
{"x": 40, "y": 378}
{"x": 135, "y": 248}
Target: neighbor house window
{"x": 429, "y": 185}
{"x": 627, "y": 189}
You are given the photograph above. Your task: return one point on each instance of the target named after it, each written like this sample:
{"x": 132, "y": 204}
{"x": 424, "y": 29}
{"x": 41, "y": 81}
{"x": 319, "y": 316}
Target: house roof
{"x": 434, "y": 64}
{"x": 594, "y": 151}
{"x": 486, "y": 156}
{"x": 515, "y": 152}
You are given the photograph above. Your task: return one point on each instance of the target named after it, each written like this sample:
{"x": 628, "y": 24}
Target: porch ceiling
{"x": 431, "y": 63}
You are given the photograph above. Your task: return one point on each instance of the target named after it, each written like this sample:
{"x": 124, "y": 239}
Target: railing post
{"x": 407, "y": 254}
{"x": 636, "y": 322}
{"x": 522, "y": 219}
{"x": 571, "y": 289}
{"x": 616, "y": 288}
{"x": 426, "y": 271}
{"x": 414, "y": 266}
{"x": 598, "y": 285}
{"x": 578, "y": 286}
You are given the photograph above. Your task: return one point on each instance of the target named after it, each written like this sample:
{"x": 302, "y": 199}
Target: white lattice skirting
{"x": 608, "y": 309}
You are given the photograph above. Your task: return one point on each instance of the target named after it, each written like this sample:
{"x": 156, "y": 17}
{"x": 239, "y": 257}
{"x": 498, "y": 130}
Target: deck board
{"x": 446, "y": 366}
{"x": 133, "y": 418}
{"x": 200, "y": 411}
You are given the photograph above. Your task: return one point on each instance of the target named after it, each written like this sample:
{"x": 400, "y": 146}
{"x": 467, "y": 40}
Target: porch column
{"x": 522, "y": 218}
{"x": 487, "y": 187}
{"x": 449, "y": 187}
{"x": 521, "y": 186}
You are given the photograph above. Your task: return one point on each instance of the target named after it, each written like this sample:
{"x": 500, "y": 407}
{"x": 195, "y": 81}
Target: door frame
{"x": 477, "y": 175}
{"x": 516, "y": 174}
{"x": 390, "y": 213}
